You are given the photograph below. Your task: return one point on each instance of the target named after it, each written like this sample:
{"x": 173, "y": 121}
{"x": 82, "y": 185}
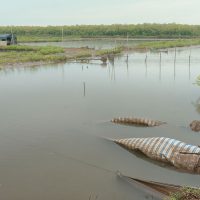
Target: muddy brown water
{"x": 54, "y": 119}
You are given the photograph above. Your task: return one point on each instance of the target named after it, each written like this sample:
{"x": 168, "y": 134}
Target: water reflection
{"x": 63, "y": 73}
{"x": 175, "y": 64}
{"x": 174, "y": 70}
{"x": 104, "y": 65}
{"x": 96, "y": 44}
{"x": 160, "y": 72}
{"x": 112, "y": 77}
{"x": 84, "y": 89}
{"x": 146, "y": 70}
{"x": 111, "y": 59}
{"x": 196, "y": 104}
{"x": 141, "y": 155}
{"x": 164, "y": 58}
{"x": 189, "y": 69}
{"x": 127, "y": 67}
{"x": 66, "y": 115}
{"x": 146, "y": 58}
{"x": 198, "y": 80}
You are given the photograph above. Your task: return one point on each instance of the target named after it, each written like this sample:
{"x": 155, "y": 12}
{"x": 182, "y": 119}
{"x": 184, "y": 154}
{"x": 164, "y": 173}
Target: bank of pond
{"x": 15, "y": 54}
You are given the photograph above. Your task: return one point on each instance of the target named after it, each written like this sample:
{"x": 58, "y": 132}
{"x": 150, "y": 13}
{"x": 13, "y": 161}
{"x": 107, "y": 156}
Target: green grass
{"x": 43, "y": 50}
{"x": 109, "y": 51}
{"x": 16, "y": 57}
{"x": 54, "y": 33}
{"x": 21, "y": 54}
{"x": 198, "y": 80}
{"x": 104, "y": 52}
{"x": 186, "y": 193}
{"x": 168, "y": 44}
{"x": 38, "y": 39}
{"x": 42, "y": 38}
{"x": 83, "y": 55}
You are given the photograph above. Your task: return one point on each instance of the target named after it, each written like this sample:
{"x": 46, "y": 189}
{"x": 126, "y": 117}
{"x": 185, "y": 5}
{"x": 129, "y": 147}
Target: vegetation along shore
{"x": 186, "y": 193}
{"x": 60, "y": 33}
{"x": 20, "y": 54}
{"x": 175, "y": 35}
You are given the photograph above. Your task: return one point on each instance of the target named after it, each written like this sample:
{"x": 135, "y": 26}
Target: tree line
{"x": 116, "y": 30}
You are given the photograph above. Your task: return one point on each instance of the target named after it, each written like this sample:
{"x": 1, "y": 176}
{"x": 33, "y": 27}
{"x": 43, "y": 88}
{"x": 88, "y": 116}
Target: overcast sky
{"x": 69, "y": 12}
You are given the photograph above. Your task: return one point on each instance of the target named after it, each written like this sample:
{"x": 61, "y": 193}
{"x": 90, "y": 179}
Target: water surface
{"x": 54, "y": 120}
{"x": 104, "y": 43}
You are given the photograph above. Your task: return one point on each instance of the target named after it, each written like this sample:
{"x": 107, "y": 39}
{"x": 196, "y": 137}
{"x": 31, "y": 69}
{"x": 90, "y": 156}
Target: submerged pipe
{"x": 179, "y": 154}
{"x": 137, "y": 121}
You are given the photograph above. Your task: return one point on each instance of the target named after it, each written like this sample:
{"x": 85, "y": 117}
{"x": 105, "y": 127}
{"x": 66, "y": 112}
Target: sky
{"x": 72, "y": 12}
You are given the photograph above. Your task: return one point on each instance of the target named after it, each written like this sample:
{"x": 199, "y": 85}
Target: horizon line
{"x": 122, "y": 24}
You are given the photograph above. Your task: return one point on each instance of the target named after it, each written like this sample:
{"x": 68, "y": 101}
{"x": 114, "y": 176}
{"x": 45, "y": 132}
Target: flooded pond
{"x": 54, "y": 120}
{"x": 94, "y": 43}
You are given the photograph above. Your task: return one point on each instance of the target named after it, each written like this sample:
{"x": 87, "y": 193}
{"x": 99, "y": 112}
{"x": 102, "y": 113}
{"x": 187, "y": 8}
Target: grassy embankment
{"x": 11, "y": 55}
{"x": 186, "y": 193}
{"x": 44, "y": 38}
{"x": 51, "y": 54}
{"x": 168, "y": 44}
{"x": 23, "y": 54}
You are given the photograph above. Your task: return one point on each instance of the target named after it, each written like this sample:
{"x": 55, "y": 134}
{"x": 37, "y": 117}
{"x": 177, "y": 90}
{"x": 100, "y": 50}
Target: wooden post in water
{"x": 174, "y": 71}
{"x": 189, "y": 59}
{"x": 84, "y": 89}
{"x": 160, "y": 70}
{"x": 146, "y": 70}
{"x": 175, "y": 64}
{"x": 189, "y": 65}
{"x": 127, "y": 69}
{"x": 127, "y": 48}
{"x": 160, "y": 58}
{"x": 175, "y": 56}
{"x": 146, "y": 58}
{"x": 127, "y": 58}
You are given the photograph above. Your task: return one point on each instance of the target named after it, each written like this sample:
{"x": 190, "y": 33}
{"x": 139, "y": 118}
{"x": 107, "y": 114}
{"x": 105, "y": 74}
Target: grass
{"x": 87, "y": 53}
{"x": 198, "y": 80}
{"x": 29, "y": 39}
{"x": 168, "y": 44}
{"x": 38, "y": 39}
{"x": 54, "y": 33}
{"x": 21, "y": 54}
{"x": 10, "y": 55}
{"x": 186, "y": 193}
{"x": 109, "y": 51}
{"x": 83, "y": 55}
{"x": 45, "y": 50}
